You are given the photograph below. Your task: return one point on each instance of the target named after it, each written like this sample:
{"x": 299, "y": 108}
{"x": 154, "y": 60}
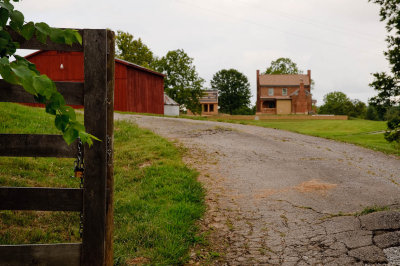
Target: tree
{"x": 388, "y": 85}
{"x": 283, "y": 66}
{"x": 357, "y": 109}
{"x": 337, "y": 103}
{"x": 135, "y": 51}
{"x": 233, "y": 91}
{"x": 182, "y": 82}
{"x": 24, "y": 73}
{"x": 392, "y": 134}
{"x": 371, "y": 113}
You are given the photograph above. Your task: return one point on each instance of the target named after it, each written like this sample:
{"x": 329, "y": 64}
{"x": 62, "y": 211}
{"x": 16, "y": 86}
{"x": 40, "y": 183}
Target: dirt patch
{"x": 138, "y": 261}
{"x": 315, "y": 185}
{"x": 145, "y": 164}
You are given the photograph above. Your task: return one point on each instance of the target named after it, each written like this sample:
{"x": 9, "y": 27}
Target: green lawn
{"x": 157, "y": 198}
{"x": 358, "y": 131}
{"x": 355, "y": 131}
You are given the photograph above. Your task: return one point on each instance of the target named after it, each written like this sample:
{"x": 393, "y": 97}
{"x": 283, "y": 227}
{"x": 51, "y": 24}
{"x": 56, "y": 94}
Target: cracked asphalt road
{"x": 276, "y": 197}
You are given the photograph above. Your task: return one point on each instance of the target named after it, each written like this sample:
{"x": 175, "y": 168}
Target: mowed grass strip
{"x": 360, "y": 132}
{"x": 356, "y": 131}
{"x": 157, "y": 198}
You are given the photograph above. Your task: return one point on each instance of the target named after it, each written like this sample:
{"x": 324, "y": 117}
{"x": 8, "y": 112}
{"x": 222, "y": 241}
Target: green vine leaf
{"x": 17, "y": 20}
{"x": 7, "y": 5}
{"x": 4, "y": 16}
{"x": 61, "y": 122}
{"x": 24, "y": 73}
{"x": 70, "y": 135}
{"x": 28, "y": 30}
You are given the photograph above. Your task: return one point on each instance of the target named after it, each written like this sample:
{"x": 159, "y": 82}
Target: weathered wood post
{"x": 98, "y": 182}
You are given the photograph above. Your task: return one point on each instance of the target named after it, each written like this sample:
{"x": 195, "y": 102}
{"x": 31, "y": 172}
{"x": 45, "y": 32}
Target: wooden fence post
{"x": 110, "y": 148}
{"x": 95, "y": 117}
{"x": 96, "y": 198}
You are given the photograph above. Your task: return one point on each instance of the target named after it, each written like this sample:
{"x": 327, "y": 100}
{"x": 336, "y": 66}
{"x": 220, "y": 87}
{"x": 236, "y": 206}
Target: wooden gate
{"x": 95, "y": 199}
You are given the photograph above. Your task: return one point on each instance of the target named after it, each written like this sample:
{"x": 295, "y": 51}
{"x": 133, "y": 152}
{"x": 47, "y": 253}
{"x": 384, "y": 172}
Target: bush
{"x": 392, "y": 112}
{"x": 372, "y": 113}
{"x": 393, "y": 132}
{"x": 244, "y": 110}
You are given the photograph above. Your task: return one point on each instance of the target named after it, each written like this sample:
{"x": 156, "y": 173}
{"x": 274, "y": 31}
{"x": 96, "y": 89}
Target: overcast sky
{"x": 340, "y": 41}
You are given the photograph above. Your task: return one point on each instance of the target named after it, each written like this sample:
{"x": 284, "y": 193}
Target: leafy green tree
{"x": 283, "y": 66}
{"x": 233, "y": 91}
{"x": 182, "y": 82}
{"x": 24, "y": 73}
{"x": 388, "y": 85}
{"x": 357, "y": 109}
{"x": 371, "y": 113}
{"x": 393, "y": 132}
{"x": 335, "y": 103}
{"x": 135, "y": 51}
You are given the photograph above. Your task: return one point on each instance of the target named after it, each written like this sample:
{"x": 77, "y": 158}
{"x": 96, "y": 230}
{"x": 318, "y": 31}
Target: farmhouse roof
{"x": 284, "y": 80}
{"x": 209, "y": 96}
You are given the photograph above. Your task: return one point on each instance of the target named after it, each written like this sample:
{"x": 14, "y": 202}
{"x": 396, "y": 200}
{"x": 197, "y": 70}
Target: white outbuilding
{"x": 171, "y": 107}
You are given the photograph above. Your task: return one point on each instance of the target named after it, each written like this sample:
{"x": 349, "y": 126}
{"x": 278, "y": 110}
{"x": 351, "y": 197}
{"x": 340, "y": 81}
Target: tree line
{"x": 184, "y": 85}
{"x": 182, "y": 82}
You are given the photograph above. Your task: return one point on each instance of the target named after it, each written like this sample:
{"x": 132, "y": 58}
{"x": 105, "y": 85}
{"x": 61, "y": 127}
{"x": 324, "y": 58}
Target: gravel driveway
{"x": 276, "y": 197}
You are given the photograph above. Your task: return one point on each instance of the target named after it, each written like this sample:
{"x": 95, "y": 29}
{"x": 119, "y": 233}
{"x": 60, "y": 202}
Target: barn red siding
{"x": 141, "y": 95}
{"x": 136, "y": 89}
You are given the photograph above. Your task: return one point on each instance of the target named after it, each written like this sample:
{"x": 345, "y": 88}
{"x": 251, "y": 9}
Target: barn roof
{"x": 283, "y": 80}
{"x": 117, "y": 60}
{"x": 127, "y": 63}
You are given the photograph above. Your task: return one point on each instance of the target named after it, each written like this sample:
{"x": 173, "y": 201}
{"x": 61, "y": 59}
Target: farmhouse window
{"x": 270, "y": 91}
{"x": 211, "y": 107}
{"x": 269, "y": 104}
{"x": 206, "y": 108}
{"x": 284, "y": 91}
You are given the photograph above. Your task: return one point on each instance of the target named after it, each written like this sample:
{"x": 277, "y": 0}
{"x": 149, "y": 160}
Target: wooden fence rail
{"x": 95, "y": 200}
{"x": 72, "y": 92}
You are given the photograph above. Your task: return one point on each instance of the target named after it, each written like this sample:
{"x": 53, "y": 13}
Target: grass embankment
{"x": 356, "y": 131}
{"x": 359, "y": 132}
{"x": 157, "y": 198}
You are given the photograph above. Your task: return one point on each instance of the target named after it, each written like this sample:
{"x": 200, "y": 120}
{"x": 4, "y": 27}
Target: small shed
{"x": 137, "y": 89}
{"x": 209, "y": 102}
{"x": 171, "y": 107}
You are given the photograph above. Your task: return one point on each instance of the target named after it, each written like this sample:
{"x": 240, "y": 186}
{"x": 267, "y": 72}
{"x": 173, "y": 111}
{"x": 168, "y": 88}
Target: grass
{"x": 371, "y": 209}
{"x": 357, "y": 131}
{"x": 365, "y": 211}
{"x": 157, "y": 198}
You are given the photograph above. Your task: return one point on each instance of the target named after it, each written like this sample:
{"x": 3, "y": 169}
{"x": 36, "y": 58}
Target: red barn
{"x": 137, "y": 89}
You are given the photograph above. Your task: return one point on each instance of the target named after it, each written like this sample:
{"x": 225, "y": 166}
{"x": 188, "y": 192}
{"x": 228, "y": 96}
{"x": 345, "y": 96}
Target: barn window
{"x": 206, "y": 108}
{"x": 211, "y": 107}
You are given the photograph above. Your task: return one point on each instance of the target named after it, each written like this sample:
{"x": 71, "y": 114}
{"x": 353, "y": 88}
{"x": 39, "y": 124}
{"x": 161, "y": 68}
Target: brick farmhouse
{"x": 284, "y": 94}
